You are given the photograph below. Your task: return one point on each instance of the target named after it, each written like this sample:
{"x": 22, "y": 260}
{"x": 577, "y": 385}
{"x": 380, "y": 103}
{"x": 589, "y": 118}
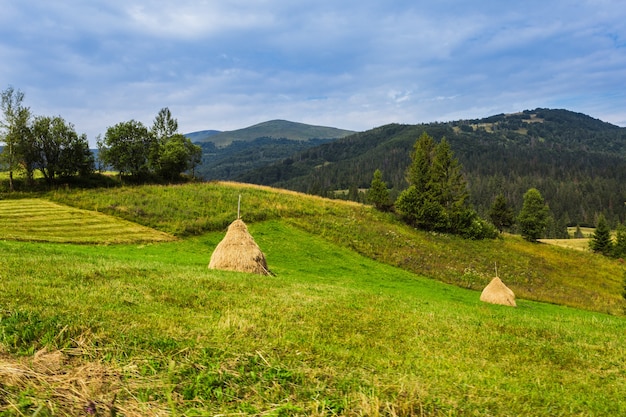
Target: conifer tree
{"x": 619, "y": 249}
{"x": 447, "y": 183}
{"x": 578, "y": 234}
{"x": 533, "y": 218}
{"x": 501, "y": 214}
{"x": 378, "y": 194}
{"x": 437, "y": 195}
{"x": 601, "y": 238}
{"x": 418, "y": 204}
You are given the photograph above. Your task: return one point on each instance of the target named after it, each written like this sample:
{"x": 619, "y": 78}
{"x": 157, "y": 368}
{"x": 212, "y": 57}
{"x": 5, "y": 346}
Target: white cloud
{"x": 228, "y": 64}
{"x": 193, "y": 20}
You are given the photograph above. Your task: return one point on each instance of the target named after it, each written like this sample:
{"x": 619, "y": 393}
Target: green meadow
{"x": 362, "y": 317}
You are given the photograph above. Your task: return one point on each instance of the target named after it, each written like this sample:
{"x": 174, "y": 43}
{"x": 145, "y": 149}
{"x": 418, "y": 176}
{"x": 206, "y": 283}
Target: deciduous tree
{"x": 127, "y": 147}
{"x": 14, "y": 128}
{"x": 58, "y": 150}
{"x": 172, "y": 153}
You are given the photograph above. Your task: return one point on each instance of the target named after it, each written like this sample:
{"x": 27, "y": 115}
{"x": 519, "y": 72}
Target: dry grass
{"x": 239, "y": 252}
{"x": 577, "y": 244}
{"x": 73, "y": 386}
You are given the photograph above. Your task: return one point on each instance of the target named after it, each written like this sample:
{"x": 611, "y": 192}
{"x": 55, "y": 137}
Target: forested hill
{"x": 577, "y": 162}
{"x": 226, "y": 155}
{"x": 276, "y": 129}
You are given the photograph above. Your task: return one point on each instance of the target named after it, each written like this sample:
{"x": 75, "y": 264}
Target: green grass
{"x": 148, "y": 329}
{"x": 331, "y": 333}
{"x": 533, "y": 271}
{"x": 40, "y": 220}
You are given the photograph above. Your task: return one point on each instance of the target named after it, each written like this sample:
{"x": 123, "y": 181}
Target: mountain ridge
{"x": 578, "y": 162}
{"x": 274, "y": 129}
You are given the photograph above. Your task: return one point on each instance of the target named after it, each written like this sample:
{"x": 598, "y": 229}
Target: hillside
{"x": 227, "y": 155}
{"x": 277, "y": 129}
{"x": 202, "y": 135}
{"x": 577, "y": 162}
{"x": 533, "y": 271}
{"x": 148, "y": 329}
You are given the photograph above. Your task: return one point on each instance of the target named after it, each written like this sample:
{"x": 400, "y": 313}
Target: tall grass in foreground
{"x": 332, "y": 333}
{"x": 534, "y": 271}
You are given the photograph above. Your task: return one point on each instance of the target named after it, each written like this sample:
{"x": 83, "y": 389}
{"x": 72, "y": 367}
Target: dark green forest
{"x": 577, "y": 162}
{"x": 239, "y": 157}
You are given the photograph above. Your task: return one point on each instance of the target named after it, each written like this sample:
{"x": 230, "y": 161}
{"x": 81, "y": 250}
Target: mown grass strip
{"x": 44, "y": 221}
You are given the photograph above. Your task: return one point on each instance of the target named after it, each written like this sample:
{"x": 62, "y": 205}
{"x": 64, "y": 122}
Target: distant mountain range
{"x": 202, "y": 135}
{"x": 577, "y": 162}
{"x": 274, "y": 129}
{"x": 229, "y": 154}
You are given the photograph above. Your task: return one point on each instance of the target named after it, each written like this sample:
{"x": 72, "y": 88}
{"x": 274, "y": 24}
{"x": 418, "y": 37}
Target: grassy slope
{"x": 40, "y": 220}
{"x": 331, "y": 333}
{"x": 334, "y": 332}
{"x": 534, "y": 271}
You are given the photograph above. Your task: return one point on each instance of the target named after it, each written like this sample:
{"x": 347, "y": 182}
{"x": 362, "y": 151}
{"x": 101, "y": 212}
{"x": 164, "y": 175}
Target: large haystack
{"x": 239, "y": 252}
{"x": 498, "y": 293}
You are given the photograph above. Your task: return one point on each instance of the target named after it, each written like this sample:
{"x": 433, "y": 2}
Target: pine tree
{"x": 378, "y": 194}
{"x": 533, "y": 218}
{"x": 447, "y": 181}
{"x": 619, "y": 249}
{"x": 419, "y": 173}
{"x": 501, "y": 214}
{"x": 418, "y": 204}
{"x": 601, "y": 238}
{"x": 578, "y": 234}
{"x": 437, "y": 196}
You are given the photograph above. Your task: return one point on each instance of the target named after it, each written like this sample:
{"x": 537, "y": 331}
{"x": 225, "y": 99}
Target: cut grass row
{"x": 40, "y": 220}
{"x": 332, "y": 333}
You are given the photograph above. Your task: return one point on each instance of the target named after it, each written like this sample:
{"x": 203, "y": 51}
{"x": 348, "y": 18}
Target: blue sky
{"x": 229, "y": 64}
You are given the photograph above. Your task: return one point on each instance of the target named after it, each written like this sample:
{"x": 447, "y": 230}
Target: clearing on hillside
{"x": 38, "y": 220}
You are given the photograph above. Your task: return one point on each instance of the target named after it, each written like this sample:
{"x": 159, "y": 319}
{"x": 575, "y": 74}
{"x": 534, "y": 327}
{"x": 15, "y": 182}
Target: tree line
{"x": 52, "y": 146}
{"x": 578, "y": 163}
{"x": 437, "y": 198}
{"x": 134, "y": 149}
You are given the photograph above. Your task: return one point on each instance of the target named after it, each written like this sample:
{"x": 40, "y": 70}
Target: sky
{"x": 229, "y": 64}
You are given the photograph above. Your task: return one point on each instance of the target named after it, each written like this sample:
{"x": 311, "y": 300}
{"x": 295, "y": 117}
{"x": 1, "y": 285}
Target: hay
{"x": 239, "y": 252}
{"x": 498, "y": 293}
{"x": 60, "y": 384}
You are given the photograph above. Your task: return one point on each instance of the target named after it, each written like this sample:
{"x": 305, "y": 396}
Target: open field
{"x": 146, "y": 329}
{"x": 153, "y": 330}
{"x": 581, "y": 244}
{"x": 534, "y": 271}
{"x": 41, "y": 220}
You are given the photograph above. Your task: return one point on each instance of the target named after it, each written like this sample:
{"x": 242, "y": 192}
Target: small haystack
{"x": 498, "y": 293}
{"x": 239, "y": 252}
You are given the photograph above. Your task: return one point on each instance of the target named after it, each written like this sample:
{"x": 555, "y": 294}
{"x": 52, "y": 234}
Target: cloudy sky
{"x": 228, "y": 64}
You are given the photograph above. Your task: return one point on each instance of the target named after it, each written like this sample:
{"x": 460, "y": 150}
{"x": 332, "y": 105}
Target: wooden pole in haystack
{"x": 239, "y": 208}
